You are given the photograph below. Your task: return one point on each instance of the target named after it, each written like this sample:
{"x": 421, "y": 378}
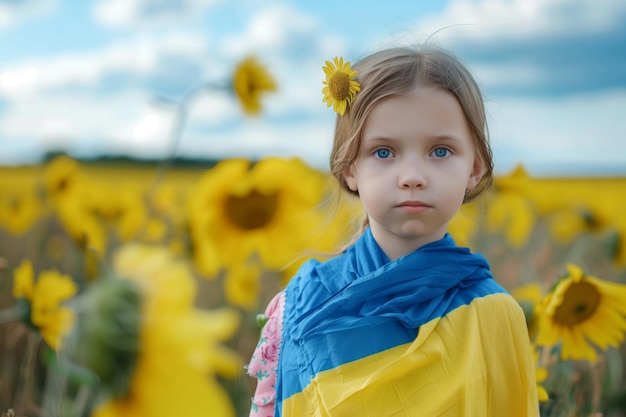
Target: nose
{"x": 413, "y": 175}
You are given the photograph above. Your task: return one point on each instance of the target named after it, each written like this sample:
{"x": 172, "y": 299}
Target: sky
{"x": 104, "y": 77}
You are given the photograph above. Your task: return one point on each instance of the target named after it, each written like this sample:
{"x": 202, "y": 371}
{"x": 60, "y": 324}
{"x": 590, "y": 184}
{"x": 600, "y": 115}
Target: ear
{"x": 350, "y": 179}
{"x": 478, "y": 169}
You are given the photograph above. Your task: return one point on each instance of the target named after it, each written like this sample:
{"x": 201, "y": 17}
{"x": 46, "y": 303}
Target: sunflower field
{"x": 121, "y": 295}
{"x": 133, "y": 289}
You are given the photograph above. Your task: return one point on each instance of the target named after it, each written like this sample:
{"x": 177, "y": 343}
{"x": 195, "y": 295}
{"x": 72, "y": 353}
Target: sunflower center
{"x": 62, "y": 185}
{"x": 250, "y": 86}
{"x": 339, "y": 86}
{"x": 15, "y": 205}
{"x": 580, "y": 301}
{"x": 252, "y": 211}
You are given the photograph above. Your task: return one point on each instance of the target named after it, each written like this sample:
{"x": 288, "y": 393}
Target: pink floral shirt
{"x": 264, "y": 362}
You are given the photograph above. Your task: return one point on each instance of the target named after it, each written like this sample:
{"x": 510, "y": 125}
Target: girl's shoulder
{"x": 500, "y": 305}
{"x": 334, "y": 270}
{"x": 271, "y": 321}
{"x": 276, "y": 305}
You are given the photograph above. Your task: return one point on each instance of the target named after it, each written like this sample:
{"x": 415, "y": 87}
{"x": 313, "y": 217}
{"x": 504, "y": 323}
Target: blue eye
{"x": 382, "y": 153}
{"x": 441, "y": 152}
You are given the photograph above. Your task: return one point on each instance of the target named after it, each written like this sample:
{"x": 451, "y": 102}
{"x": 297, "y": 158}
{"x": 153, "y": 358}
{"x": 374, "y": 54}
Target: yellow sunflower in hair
{"x": 340, "y": 88}
{"x": 580, "y": 311}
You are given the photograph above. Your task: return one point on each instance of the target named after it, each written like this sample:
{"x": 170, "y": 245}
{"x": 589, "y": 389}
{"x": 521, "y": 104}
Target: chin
{"x": 420, "y": 233}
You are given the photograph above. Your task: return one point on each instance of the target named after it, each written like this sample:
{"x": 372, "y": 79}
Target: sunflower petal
{"x": 340, "y": 88}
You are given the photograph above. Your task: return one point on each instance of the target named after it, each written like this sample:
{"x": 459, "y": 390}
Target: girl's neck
{"x": 398, "y": 246}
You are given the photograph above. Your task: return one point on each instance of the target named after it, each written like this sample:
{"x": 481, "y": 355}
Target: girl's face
{"x": 415, "y": 162}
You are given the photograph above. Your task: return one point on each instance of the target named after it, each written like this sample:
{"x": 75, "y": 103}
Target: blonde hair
{"x": 397, "y": 71}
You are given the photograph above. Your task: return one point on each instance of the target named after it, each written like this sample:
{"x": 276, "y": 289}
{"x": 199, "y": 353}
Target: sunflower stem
{"x": 28, "y": 374}
{"x": 180, "y": 119}
{"x": 104, "y": 269}
{"x": 544, "y": 358}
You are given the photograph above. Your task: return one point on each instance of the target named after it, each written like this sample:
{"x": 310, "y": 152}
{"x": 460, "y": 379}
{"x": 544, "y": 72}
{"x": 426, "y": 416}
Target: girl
{"x": 403, "y": 322}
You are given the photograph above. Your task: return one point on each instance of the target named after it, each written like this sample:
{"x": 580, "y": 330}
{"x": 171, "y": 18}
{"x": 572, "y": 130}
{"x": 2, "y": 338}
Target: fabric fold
{"x": 344, "y": 305}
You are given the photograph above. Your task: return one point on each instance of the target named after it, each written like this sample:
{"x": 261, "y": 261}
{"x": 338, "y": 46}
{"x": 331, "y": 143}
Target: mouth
{"x": 413, "y": 203}
{"x": 413, "y": 206}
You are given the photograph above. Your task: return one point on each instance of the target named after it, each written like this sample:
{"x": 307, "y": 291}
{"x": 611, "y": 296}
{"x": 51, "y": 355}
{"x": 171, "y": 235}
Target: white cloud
{"x": 496, "y": 75}
{"x": 254, "y": 138}
{"x": 131, "y": 14}
{"x": 560, "y": 135}
{"x": 280, "y": 29}
{"x": 67, "y": 102}
{"x": 271, "y": 29}
{"x": 68, "y": 117}
{"x": 502, "y": 20}
{"x": 212, "y": 107}
{"x": 149, "y": 135}
{"x": 137, "y": 58}
{"x": 13, "y": 12}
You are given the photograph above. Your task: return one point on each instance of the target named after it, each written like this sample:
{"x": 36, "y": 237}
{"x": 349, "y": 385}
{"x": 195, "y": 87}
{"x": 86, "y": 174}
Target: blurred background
{"x": 163, "y": 174}
{"x": 93, "y": 78}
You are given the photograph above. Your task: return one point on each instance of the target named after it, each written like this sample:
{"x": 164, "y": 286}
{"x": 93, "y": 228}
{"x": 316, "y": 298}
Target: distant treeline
{"x": 178, "y": 162}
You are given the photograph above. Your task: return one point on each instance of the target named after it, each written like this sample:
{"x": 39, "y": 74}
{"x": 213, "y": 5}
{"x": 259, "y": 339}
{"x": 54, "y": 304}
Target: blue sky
{"x": 89, "y": 77}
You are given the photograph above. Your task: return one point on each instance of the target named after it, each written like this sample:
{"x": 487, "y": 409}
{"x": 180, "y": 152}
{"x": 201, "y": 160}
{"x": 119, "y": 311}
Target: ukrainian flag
{"x": 429, "y": 334}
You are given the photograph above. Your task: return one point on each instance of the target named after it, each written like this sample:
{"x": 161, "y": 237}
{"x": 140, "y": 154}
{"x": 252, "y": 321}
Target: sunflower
{"x": 566, "y": 225}
{"x": 619, "y": 256}
{"x": 61, "y": 175}
{"x": 44, "y": 297}
{"x": 250, "y": 81}
{"x": 242, "y": 284}
{"x": 119, "y": 208}
{"x": 167, "y": 203}
{"x": 267, "y": 209}
{"x": 464, "y": 224}
{"x": 19, "y": 209}
{"x": 529, "y": 297}
{"x": 340, "y": 88}
{"x": 334, "y": 225}
{"x": 580, "y": 311}
{"x": 80, "y": 224}
{"x": 178, "y": 353}
{"x": 71, "y": 192}
{"x": 594, "y": 212}
{"x": 511, "y": 209}
{"x": 512, "y": 214}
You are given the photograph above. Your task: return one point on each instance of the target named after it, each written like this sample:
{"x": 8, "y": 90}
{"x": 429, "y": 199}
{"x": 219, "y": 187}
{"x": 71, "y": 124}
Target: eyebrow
{"x": 447, "y": 137}
{"x": 434, "y": 138}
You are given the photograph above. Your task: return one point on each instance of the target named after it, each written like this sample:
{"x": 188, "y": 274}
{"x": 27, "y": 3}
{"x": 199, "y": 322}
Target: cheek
{"x": 372, "y": 203}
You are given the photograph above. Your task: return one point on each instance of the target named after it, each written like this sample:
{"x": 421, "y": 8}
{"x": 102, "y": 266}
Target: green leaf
{"x": 261, "y": 320}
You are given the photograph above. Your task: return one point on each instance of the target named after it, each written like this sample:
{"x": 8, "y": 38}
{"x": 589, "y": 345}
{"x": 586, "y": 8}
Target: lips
{"x": 413, "y": 206}
{"x": 413, "y": 203}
